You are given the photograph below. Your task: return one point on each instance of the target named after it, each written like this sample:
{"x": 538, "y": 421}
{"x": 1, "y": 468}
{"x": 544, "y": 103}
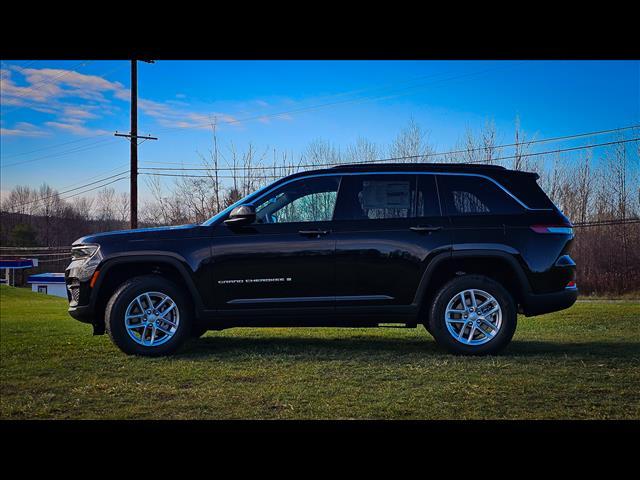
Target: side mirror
{"x": 242, "y": 215}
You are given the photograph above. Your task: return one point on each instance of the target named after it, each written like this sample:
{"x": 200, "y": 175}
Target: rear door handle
{"x": 313, "y": 233}
{"x": 425, "y": 228}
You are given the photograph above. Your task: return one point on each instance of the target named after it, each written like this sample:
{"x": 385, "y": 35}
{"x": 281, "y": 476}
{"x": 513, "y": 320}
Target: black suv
{"x": 460, "y": 249}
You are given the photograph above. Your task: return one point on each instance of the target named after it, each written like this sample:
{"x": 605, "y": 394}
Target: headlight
{"x": 83, "y": 252}
{"x": 88, "y": 257}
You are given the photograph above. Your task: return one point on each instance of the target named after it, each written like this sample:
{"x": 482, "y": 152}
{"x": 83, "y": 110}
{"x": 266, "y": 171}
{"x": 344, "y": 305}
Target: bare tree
{"x": 522, "y": 148}
{"x": 362, "y": 151}
{"x": 411, "y": 142}
{"x": 123, "y": 204}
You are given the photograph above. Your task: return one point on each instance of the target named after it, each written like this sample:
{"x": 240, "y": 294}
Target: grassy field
{"x": 580, "y": 363}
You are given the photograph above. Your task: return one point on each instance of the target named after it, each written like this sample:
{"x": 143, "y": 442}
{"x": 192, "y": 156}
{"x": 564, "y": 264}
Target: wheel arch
{"x": 498, "y": 265}
{"x": 114, "y": 271}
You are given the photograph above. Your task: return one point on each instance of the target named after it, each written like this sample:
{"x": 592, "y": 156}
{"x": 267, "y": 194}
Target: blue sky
{"x": 274, "y": 104}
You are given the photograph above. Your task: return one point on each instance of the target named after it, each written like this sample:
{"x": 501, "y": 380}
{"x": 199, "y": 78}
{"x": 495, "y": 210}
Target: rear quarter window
{"x": 524, "y": 185}
{"x": 473, "y": 195}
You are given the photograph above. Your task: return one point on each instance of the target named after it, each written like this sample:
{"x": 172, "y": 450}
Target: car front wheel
{"x": 148, "y": 316}
{"x": 473, "y": 315}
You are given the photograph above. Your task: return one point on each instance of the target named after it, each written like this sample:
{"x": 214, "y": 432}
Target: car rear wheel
{"x": 473, "y": 315}
{"x": 148, "y": 316}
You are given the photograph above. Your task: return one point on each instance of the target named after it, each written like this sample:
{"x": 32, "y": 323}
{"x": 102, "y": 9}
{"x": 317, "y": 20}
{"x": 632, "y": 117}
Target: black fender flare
{"x": 166, "y": 258}
{"x": 524, "y": 286}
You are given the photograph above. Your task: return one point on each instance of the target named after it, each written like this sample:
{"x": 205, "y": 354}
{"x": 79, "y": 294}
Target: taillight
{"x": 571, "y": 285}
{"x": 565, "y": 229}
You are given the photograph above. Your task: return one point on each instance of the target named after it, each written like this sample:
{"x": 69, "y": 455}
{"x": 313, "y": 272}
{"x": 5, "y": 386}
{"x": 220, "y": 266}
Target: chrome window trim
{"x": 333, "y": 174}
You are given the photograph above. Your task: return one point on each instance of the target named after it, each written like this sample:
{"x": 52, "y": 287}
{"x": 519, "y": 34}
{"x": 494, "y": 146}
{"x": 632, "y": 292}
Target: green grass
{"x": 580, "y": 363}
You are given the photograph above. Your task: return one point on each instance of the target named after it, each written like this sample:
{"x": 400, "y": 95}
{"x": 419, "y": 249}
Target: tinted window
{"x": 306, "y": 200}
{"x": 376, "y": 197}
{"x": 472, "y": 195}
{"x": 427, "y": 204}
{"x": 524, "y": 186}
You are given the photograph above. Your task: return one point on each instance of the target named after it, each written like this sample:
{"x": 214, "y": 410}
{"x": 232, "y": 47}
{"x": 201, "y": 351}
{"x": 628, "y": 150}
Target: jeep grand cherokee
{"x": 460, "y": 249}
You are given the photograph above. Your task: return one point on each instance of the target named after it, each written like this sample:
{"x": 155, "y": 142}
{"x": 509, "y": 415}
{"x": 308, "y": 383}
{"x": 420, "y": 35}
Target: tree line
{"x": 588, "y": 185}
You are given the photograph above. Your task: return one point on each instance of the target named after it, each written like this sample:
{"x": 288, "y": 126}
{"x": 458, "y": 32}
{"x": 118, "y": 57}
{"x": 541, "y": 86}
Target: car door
{"x": 479, "y": 210}
{"x": 285, "y": 259}
{"x": 387, "y": 228}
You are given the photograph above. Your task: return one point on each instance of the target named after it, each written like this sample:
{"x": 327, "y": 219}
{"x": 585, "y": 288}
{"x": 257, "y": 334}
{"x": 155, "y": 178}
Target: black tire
{"x": 438, "y": 325}
{"x": 125, "y": 294}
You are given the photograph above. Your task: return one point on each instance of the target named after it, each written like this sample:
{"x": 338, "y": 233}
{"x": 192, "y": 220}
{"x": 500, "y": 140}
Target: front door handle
{"x": 425, "y": 228}
{"x": 313, "y": 233}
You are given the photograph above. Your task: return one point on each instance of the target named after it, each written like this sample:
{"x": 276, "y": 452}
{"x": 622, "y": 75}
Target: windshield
{"x": 242, "y": 201}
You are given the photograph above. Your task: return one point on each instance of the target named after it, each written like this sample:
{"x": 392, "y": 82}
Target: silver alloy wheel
{"x": 473, "y": 317}
{"x": 152, "y": 318}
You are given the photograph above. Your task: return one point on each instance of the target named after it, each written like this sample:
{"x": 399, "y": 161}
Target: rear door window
{"x": 473, "y": 195}
{"x": 376, "y": 197}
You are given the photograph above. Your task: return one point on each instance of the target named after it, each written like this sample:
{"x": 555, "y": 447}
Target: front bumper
{"x": 79, "y": 296}
{"x": 539, "y": 304}
{"x": 83, "y": 313}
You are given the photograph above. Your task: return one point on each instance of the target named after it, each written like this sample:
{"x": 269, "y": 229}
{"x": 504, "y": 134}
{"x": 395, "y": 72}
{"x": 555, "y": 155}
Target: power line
{"x": 594, "y": 145}
{"x": 601, "y": 223}
{"x": 48, "y": 147}
{"x": 77, "y": 149}
{"x": 119, "y": 167}
{"x": 467, "y": 150}
{"x": 378, "y": 87}
{"x": 58, "y": 194}
{"x": 94, "y": 188}
{"x": 560, "y": 150}
{"x": 199, "y": 176}
{"x": 82, "y": 186}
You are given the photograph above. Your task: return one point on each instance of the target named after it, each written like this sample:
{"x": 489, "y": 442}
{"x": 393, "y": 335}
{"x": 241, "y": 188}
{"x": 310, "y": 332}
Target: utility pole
{"x": 133, "y": 139}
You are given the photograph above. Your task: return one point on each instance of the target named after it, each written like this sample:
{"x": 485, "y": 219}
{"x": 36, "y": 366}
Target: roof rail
{"x": 442, "y": 166}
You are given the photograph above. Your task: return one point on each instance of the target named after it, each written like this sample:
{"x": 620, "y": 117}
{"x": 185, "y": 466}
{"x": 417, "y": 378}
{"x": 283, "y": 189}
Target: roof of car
{"x": 494, "y": 170}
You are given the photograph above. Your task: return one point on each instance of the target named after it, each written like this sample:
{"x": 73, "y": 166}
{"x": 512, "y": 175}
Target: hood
{"x": 157, "y": 233}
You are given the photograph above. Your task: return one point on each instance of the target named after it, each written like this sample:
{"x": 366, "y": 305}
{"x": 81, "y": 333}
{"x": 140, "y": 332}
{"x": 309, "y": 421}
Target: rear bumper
{"x": 549, "y": 302}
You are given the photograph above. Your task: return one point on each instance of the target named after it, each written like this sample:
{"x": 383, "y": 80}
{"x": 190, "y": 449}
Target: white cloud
{"x": 74, "y": 99}
{"x": 79, "y": 113}
{"x": 169, "y": 116}
{"x": 23, "y": 129}
{"x": 59, "y": 82}
{"x": 76, "y": 128}
{"x": 56, "y": 92}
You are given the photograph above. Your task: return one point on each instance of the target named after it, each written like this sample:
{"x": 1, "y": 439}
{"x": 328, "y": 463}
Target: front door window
{"x": 305, "y": 200}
